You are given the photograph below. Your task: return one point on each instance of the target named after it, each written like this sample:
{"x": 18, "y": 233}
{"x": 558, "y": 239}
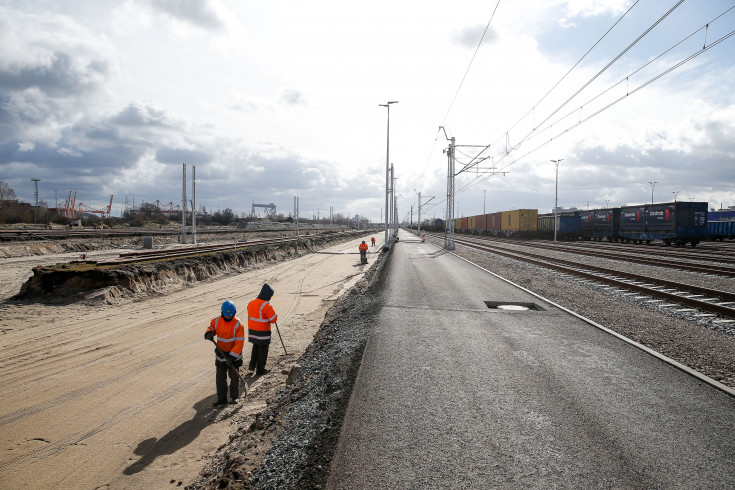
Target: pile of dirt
{"x": 63, "y": 284}
{"x": 300, "y": 426}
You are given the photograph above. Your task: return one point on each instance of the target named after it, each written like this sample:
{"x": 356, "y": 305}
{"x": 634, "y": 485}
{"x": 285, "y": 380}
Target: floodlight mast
{"x": 556, "y": 196}
{"x": 387, "y": 169}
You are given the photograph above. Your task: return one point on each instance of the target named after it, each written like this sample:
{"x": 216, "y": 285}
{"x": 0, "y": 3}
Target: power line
{"x": 573, "y": 67}
{"x": 538, "y": 131}
{"x": 470, "y": 64}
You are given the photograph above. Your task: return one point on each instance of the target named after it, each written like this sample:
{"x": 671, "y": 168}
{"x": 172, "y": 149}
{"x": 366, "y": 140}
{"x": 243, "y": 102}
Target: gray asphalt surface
{"x": 452, "y": 394}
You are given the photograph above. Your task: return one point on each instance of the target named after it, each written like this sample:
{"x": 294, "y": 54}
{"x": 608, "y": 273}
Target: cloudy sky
{"x": 281, "y": 98}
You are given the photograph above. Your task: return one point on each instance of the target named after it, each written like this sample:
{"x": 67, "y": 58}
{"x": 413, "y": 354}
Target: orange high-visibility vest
{"x": 260, "y": 316}
{"x": 230, "y": 336}
{"x": 363, "y": 247}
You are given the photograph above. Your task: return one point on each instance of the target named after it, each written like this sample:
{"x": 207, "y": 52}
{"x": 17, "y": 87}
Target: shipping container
{"x": 463, "y": 225}
{"x": 519, "y": 222}
{"x": 567, "y": 226}
{"x": 632, "y": 218}
{"x": 493, "y": 222}
{"x": 587, "y": 223}
{"x": 472, "y": 223}
{"x": 678, "y": 222}
{"x": 482, "y": 223}
{"x": 457, "y": 224}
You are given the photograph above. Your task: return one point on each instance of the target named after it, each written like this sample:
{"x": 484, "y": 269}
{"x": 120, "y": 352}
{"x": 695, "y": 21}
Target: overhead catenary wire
{"x": 629, "y": 92}
{"x": 539, "y": 130}
{"x": 482, "y": 38}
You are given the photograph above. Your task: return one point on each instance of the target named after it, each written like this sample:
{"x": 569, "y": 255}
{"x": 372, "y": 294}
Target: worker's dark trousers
{"x": 222, "y": 372}
{"x": 258, "y": 357}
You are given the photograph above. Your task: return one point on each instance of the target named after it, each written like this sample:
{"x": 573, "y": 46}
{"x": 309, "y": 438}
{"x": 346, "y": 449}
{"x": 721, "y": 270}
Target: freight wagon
{"x": 519, "y": 223}
{"x": 720, "y": 230}
{"x": 568, "y": 226}
{"x": 676, "y": 222}
{"x": 493, "y": 223}
{"x": 597, "y": 224}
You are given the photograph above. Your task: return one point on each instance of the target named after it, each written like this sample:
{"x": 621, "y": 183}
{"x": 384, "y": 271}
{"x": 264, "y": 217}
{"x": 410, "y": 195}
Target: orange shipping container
{"x": 493, "y": 221}
{"x": 472, "y": 223}
{"x": 482, "y": 222}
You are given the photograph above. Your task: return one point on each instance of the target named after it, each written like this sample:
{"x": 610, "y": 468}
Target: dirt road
{"x": 121, "y": 396}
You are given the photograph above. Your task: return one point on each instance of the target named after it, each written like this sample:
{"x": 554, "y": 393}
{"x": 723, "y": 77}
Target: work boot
{"x": 261, "y": 372}
{"x": 219, "y": 403}
{"x": 234, "y": 401}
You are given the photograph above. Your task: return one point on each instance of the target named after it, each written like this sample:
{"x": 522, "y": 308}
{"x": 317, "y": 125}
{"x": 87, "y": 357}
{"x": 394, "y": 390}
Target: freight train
{"x": 676, "y": 223}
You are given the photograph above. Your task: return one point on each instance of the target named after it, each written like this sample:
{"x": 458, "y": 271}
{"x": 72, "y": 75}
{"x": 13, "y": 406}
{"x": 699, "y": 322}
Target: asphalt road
{"x": 453, "y": 394}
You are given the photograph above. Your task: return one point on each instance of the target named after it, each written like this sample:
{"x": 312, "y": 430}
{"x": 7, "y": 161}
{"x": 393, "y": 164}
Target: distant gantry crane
{"x": 270, "y": 209}
{"x": 169, "y": 208}
{"x": 72, "y": 209}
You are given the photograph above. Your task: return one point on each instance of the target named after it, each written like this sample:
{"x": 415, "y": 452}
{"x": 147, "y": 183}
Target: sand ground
{"x": 120, "y": 396}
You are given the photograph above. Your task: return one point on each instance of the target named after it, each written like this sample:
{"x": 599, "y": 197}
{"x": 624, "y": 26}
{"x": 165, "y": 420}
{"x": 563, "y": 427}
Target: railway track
{"x": 190, "y": 251}
{"x": 708, "y": 302}
{"x": 706, "y": 254}
{"x": 623, "y": 255}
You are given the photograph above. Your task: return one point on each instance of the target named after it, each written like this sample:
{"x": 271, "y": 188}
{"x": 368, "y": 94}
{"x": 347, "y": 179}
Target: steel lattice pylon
{"x": 449, "y": 225}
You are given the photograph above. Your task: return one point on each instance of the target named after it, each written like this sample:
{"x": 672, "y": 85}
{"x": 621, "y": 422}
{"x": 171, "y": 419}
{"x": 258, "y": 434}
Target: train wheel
{"x": 695, "y": 243}
{"x": 667, "y": 242}
{"x": 648, "y": 242}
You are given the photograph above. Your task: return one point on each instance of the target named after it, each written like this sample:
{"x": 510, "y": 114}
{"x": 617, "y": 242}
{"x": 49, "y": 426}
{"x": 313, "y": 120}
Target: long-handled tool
{"x": 279, "y": 336}
{"x": 230, "y": 366}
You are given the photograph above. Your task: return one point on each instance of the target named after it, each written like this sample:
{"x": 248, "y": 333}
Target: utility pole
{"x": 451, "y": 174}
{"x": 556, "y": 197}
{"x": 194, "y": 204}
{"x": 392, "y": 201}
{"x": 420, "y": 205}
{"x": 296, "y": 215}
{"x": 35, "y": 181}
{"x": 387, "y": 160}
{"x": 183, "y": 208}
{"x": 449, "y": 231}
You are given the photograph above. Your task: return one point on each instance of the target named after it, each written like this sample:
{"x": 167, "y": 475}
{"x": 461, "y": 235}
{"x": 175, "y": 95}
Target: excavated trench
{"x": 63, "y": 283}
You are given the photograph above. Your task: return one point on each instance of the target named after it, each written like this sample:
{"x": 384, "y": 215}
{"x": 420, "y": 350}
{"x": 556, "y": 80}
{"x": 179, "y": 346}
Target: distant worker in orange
{"x": 230, "y": 335}
{"x": 373, "y": 240}
{"x": 260, "y": 316}
{"x": 363, "y": 252}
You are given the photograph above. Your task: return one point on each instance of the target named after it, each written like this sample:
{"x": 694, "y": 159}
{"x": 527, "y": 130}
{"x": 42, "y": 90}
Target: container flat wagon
{"x": 519, "y": 223}
{"x": 568, "y": 226}
{"x": 676, "y": 222}
{"x": 598, "y": 224}
{"x": 493, "y": 223}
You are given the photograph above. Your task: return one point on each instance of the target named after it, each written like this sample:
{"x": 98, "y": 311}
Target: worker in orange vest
{"x": 230, "y": 335}
{"x": 260, "y": 316}
{"x": 363, "y": 252}
{"x": 373, "y": 240}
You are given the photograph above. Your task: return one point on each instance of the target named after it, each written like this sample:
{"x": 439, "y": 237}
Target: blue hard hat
{"x": 228, "y": 309}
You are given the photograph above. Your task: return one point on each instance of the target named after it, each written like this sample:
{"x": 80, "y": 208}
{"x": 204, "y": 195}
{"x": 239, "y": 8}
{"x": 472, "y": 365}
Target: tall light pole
{"x": 484, "y": 196}
{"x": 675, "y": 193}
{"x": 556, "y": 197}
{"x": 387, "y": 168}
{"x": 653, "y": 184}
